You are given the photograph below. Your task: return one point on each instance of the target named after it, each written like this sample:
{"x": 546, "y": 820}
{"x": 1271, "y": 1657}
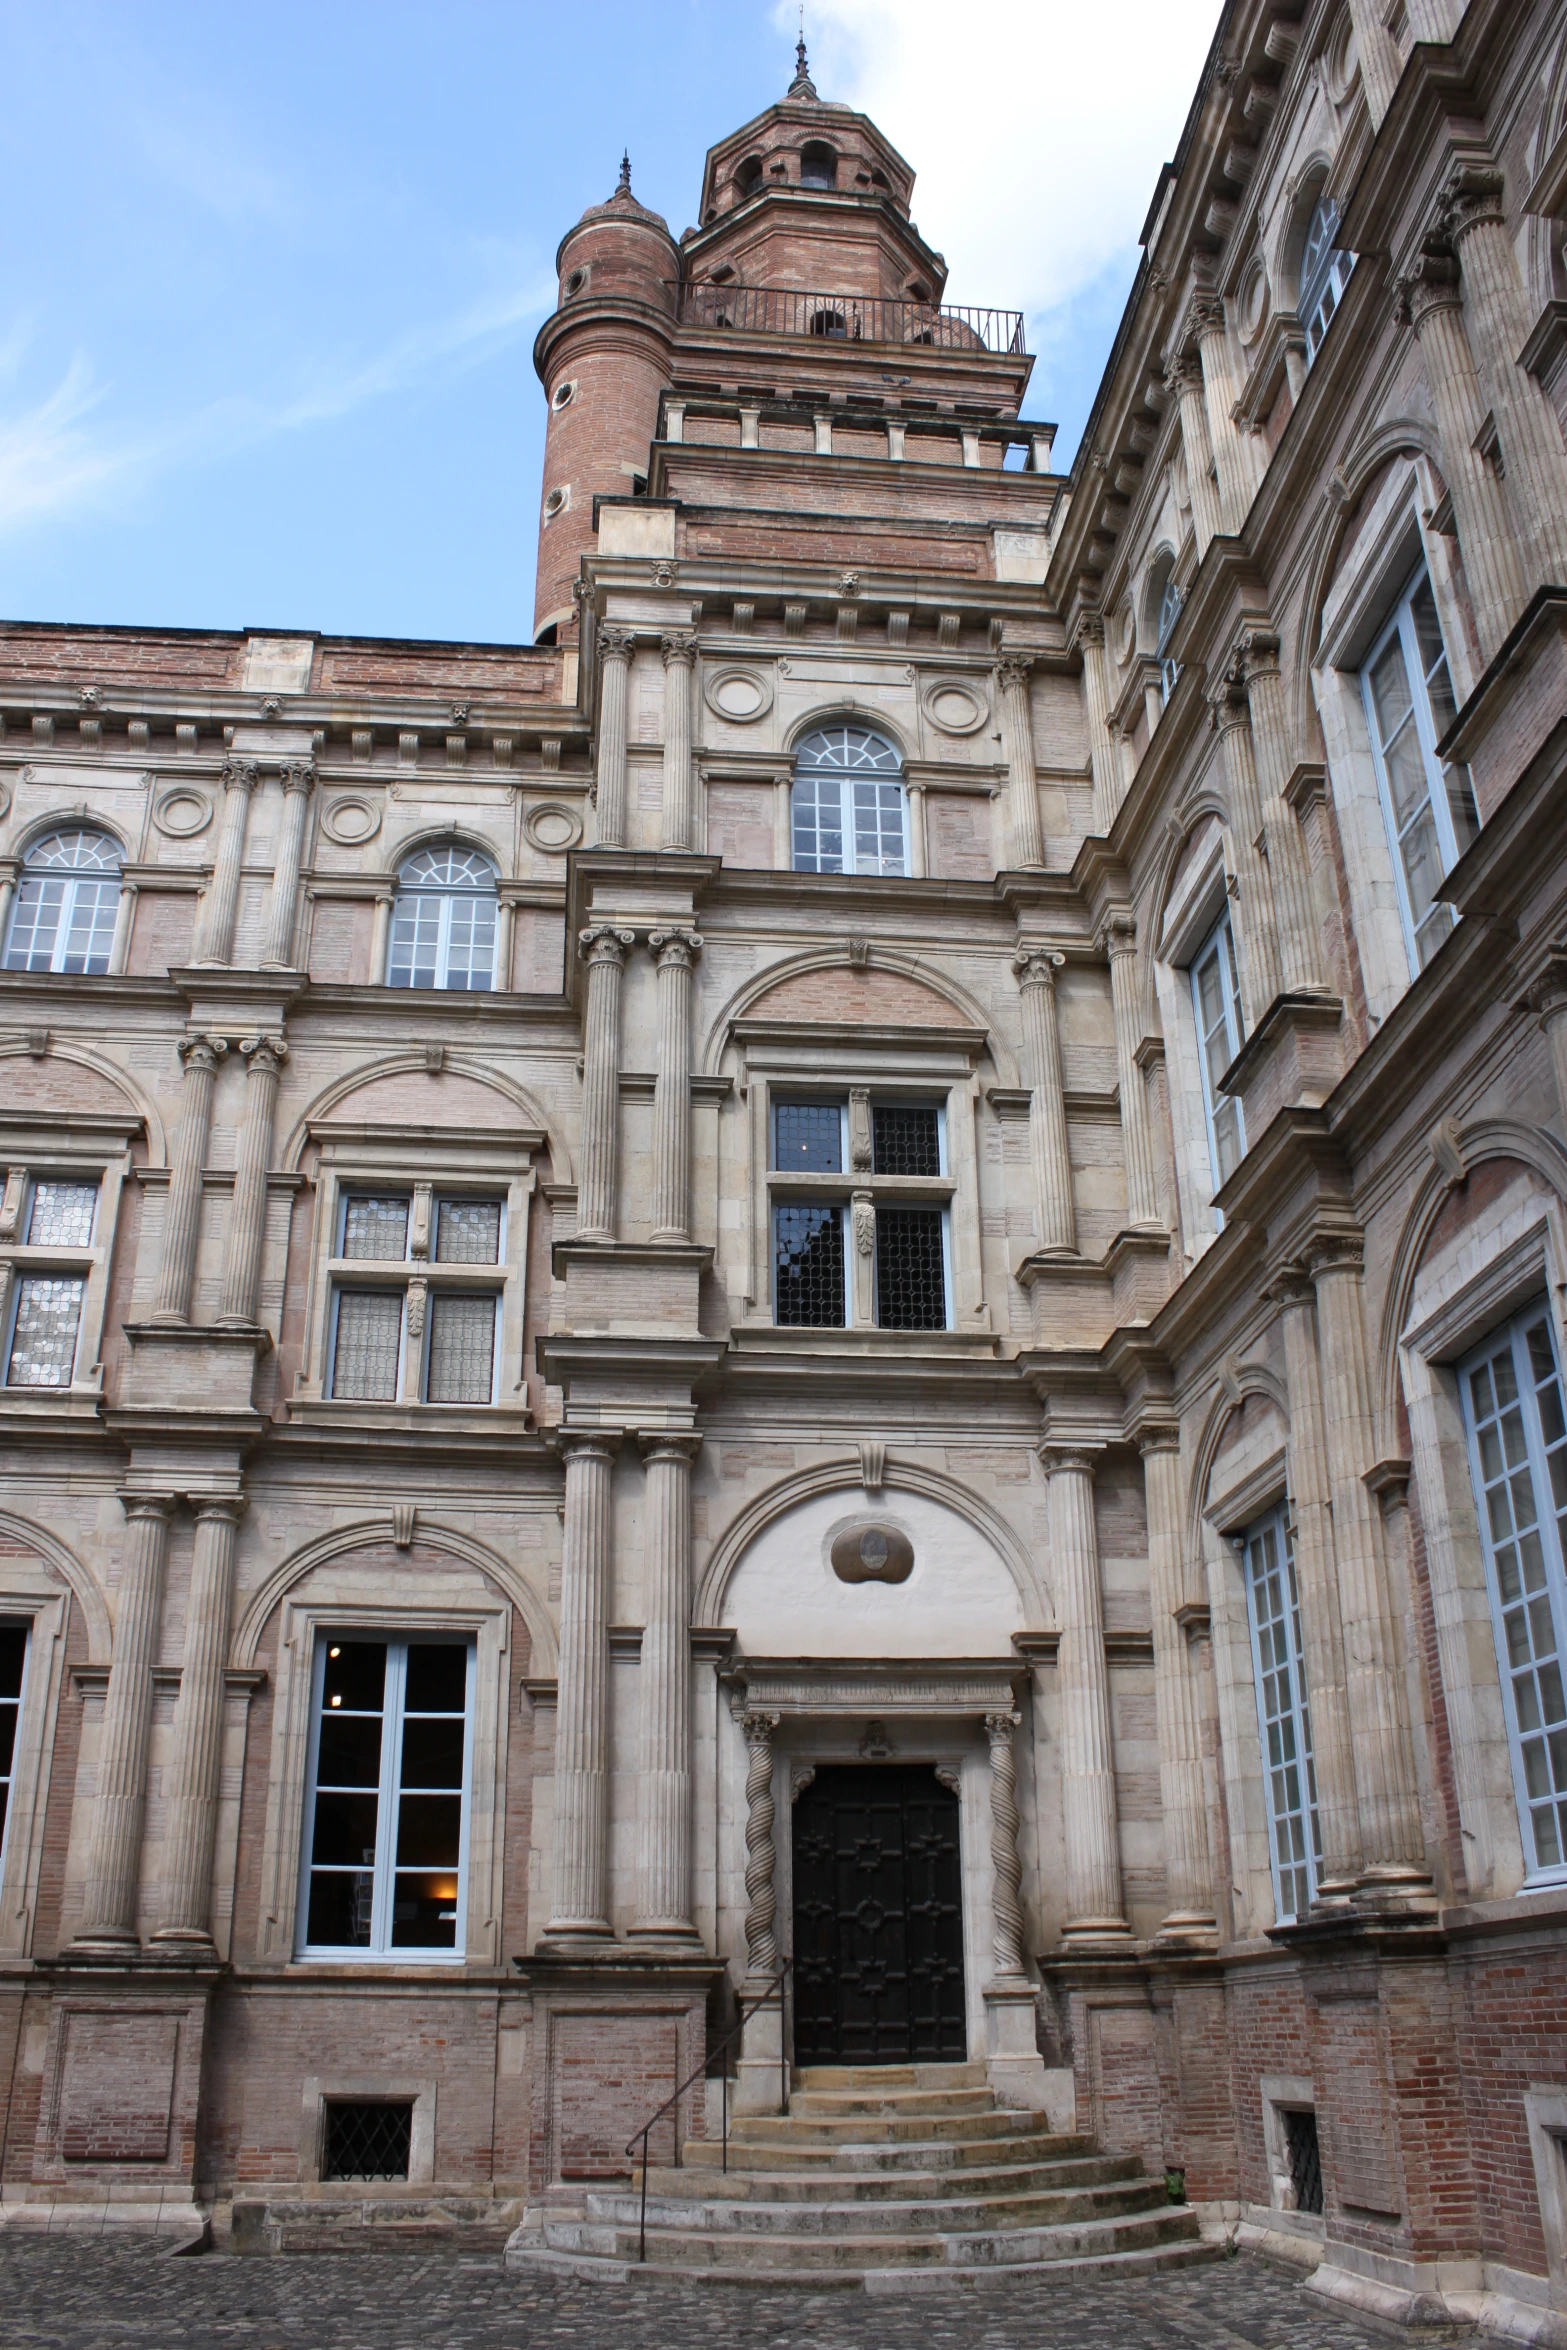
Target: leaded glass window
{"x": 61, "y": 1215}
{"x": 808, "y": 1137}
{"x": 44, "y": 1330}
{"x": 906, "y": 1138}
{"x": 1512, "y": 1400}
{"x": 461, "y": 1364}
{"x": 65, "y": 910}
{"x": 367, "y": 1345}
{"x": 375, "y": 1227}
{"x": 1427, "y": 803}
{"x": 443, "y": 924}
{"x": 808, "y": 1265}
{"x": 1216, "y": 1001}
{"x": 911, "y": 1275}
{"x": 1283, "y": 1714}
{"x": 848, "y": 806}
{"x": 468, "y": 1232}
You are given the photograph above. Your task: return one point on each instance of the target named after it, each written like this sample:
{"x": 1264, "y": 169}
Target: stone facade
{"x": 1208, "y": 1263}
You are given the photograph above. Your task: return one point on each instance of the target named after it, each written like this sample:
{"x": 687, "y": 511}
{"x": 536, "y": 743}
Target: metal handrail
{"x": 774, "y": 1983}
{"x": 849, "y": 318}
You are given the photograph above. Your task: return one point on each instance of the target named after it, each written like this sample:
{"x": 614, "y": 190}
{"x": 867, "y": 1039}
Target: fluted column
{"x": 1380, "y": 63}
{"x": 1392, "y": 1842}
{"x": 761, "y": 1858}
{"x": 1429, "y": 298}
{"x": 615, "y": 649}
{"x": 582, "y": 1717}
{"x": 182, "y": 1215}
{"x": 1187, "y": 1870}
{"x": 264, "y": 1057}
{"x": 1500, "y": 318}
{"x": 679, "y": 650}
{"x": 664, "y": 1786}
{"x": 214, "y": 942}
{"x": 1289, "y": 873}
{"x": 194, "y": 1776}
{"x": 1036, "y": 969}
{"x": 1028, "y": 839}
{"x": 114, "y": 1852}
{"x": 1239, "y": 458}
{"x": 299, "y": 781}
{"x": 1259, "y": 975}
{"x": 1547, "y": 999}
{"x": 1103, "y": 751}
{"x": 1088, "y": 1808}
{"x": 1183, "y": 375}
{"x": 1316, "y": 1576}
{"x": 1006, "y": 1869}
{"x": 1142, "y": 1189}
{"x": 604, "y": 950}
{"x": 674, "y": 951}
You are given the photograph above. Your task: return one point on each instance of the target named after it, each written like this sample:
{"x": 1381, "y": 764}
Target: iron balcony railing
{"x": 849, "y": 318}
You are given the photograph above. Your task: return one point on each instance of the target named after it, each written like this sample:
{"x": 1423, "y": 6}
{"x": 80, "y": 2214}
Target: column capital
{"x": 1257, "y": 654}
{"x": 1183, "y": 371}
{"x": 616, "y": 644}
{"x": 202, "y": 1052}
{"x": 1228, "y": 708}
{"x": 1290, "y": 1284}
{"x": 1000, "y": 1725}
{"x": 1158, "y": 1436}
{"x": 1037, "y": 966}
{"x": 585, "y": 1443}
{"x": 1118, "y": 934}
{"x": 1203, "y": 315}
{"x": 149, "y": 1505}
{"x": 240, "y": 774}
{"x": 1060, "y": 1459}
{"x": 679, "y": 948}
{"x": 658, "y": 1444}
{"x": 1015, "y": 670}
{"x": 1432, "y": 283}
{"x": 678, "y": 648}
{"x": 1471, "y": 198}
{"x": 220, "y": 1508}
{"x": 757, "y": 1724}
{"x": 264, "y": 1053}
{"x": 299, "y": 775}
{"x": 602, "y": 942}
{"x": 1090, "y": 630}
{"x": 1546, "y": 994}
{"x": 1336, "y": 1252}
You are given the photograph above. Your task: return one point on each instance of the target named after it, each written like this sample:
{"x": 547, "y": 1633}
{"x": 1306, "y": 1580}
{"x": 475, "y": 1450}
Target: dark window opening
{"x": 748, "y": 177}
{"x": 808, "y": 1258}
{"x": 1305, "y": 2160}
{"x": 368, "y": 2141}
{"x": 830, "y": 322}
{"x": 818, "y": 166}
{"x": 808, "y": 1138}
{"x": 905, "y": 1138}
{"x": 911, "y": 1282}
{"x": 548, "y": 636}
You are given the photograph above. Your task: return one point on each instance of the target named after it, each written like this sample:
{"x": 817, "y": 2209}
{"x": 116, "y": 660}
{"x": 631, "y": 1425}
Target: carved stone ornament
{"x": 877, "y": 1553}
{"x": 875, "y": 1746}
{"x": 864, "y": 1226}
{"x": 950, "y": 1775}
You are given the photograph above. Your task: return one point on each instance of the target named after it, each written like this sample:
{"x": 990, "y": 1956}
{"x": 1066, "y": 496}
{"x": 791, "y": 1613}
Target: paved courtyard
{"x": 80, "y": 2294}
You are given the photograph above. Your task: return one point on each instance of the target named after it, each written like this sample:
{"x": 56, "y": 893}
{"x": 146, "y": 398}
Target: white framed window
{"x": 891, "y": 1199}
{"x": 1283, "y": 1713}
{"x": 407, "y": 1319}
{"x": 387, "y": 1797}
{"x": 848, "y": 808}
{"x": 444, "y": 920}
{"x": 1324, "y": 273}
{"x": 1511, "y": 1394}
{"x": 1428, "y": 807}
{"x": 1169, "y": 614}
{"x": 1216, "y": 1006}
{"x": 65, "y": 910}
{"x": 14, "y": 1640}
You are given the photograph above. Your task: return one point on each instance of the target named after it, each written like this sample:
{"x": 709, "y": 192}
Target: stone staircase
{"x": 885, "y": 2177}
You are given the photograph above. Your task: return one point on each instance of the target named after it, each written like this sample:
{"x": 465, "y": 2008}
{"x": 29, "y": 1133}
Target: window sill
{"x": 775, "y": 1338}
{"x": 423, "y": 1419}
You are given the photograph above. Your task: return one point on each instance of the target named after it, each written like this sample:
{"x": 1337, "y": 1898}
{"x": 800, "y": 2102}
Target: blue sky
{"x": 274, "y": 271}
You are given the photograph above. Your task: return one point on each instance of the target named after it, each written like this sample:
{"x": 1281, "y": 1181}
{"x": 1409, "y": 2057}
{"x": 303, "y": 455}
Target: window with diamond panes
{"x": 65, "y": 910}
{"x": 808, "y": 1265}
{"x": 1512, "y": 1401}
{"x": 367, "y": 1345}
{"x": 61, "y": 1215}
{"x": 375, "y": 1227}
{"x": 848, "y": 809}
{"x": 443, "y": 922}
{"x": 387, "y": 1798}
{"x": 367, "y": 2139}
{"x": 911, "y": 1269}
{"x": 906, "y": 1138}
{"x": 1283, "y": 1714}
{"x": 468, "y": 1232}
{"x": 13, "y": 1664}
{"x": 44, "y": 1329}
{"x": 461, "y": 1363}
{"x": 808, "y": 1138}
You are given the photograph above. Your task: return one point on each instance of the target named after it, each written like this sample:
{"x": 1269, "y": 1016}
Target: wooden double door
{"x": 878, "y": 1918}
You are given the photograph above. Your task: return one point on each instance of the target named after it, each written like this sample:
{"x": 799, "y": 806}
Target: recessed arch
{"x": 1248, "y": 1380}
{"x": 134, "y": 1095}
{"x": 458, "y": 1064}
{"x": 1399, "y": 436}
{"x": 846, "y": 712}
{"x": 969, "y": 1012}
{"x": 77, "y": 1577}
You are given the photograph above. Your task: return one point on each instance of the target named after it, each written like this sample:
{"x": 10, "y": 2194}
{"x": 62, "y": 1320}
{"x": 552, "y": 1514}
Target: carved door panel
{"x": 878, "y": 1918}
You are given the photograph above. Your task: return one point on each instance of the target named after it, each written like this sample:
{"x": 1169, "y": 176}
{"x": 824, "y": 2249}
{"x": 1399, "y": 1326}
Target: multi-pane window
{"x": 1283, "y": 1714}
{"x": 443, "y": 924}
{"x": 808, "y": 1264}
{"x": 13, "y": 1663}
{"x": 386, "y": 1825}
{"x": 911, "y": 1275}
{"x": 65, "y": 910}
{"x": 47, "y": 1300}
{"x": 848, "y": 808}
{"x": 1169, "y": 614}
{"x": 906, "y": 1240}
{"x": 1512, "y": 1401}
{"x": 1324, "y": 273}
{"x": 413, "y": 1330}
{"x": 1428, "y": 806}
{"x": 1216, "y": 1002}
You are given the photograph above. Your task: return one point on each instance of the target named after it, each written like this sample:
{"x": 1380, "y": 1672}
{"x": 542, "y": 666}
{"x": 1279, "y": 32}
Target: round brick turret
{"x": 603, "y": 358}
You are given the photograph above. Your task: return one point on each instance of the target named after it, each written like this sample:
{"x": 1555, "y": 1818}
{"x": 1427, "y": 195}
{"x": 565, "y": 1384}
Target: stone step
{"x": 890, "y": 2076}
{"x": 879, "y": 2185}
{"x": 735, "y": 2252}
{"x": 966, "y": 2214}
{"x": 594, "y": 2268}
{"x": 815, "y": 2158}
{"x": 809, "y": 2103}
{"x": 771, "y": 2129}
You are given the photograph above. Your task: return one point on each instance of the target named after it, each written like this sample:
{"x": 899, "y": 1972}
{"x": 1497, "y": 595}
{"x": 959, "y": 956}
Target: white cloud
{"x": 1037, "y": 127}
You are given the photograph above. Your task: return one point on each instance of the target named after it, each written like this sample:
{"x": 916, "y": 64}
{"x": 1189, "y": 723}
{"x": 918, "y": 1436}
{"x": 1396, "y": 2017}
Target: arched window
{"x": 830, "y": 322}
{"x": 818, "y": 165}
{"x": 443, "y": 925}
{"x": 748, "y": 177}
{"x": 1324, "y": 273}
{"x": 65, "y": 908}
{"x": 848, "y": 807}
{"x": 1169, "y": 614}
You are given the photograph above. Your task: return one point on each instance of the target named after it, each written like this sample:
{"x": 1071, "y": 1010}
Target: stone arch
{"x": 1399, "y": 436}
{"x": 430, "y": 836}
{"x": 845, "y": 1476}
{"x": 61, "y": 820}
{"x": 372, "y": 1533}
{"x": 1299, "y": 198}
{"x": 398, "y": 1064}
{"x": 849, "y": 712}
{"x": 78, "y": 1579}
{"x": 14, "y": 1048}
{"x": 967, "y": 1009}
{"x": 1249, "y": 1379}
{"x": 1184, "y": 825}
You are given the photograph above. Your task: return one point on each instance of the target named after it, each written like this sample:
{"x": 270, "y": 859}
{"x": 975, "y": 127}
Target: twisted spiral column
{"x": 761, "y": 1858}
{"x": 1007, "y": 1870}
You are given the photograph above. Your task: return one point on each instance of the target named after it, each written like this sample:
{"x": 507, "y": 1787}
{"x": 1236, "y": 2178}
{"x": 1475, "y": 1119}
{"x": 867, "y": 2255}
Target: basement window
{"x": 368, "y": 2140}
{"x": 1304, "y": 2157}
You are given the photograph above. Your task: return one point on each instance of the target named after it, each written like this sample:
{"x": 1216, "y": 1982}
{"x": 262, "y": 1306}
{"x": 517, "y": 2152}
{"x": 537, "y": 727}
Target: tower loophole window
{"x": 849, "y": 812}
{"x": 818, "y": 165}
{"x": 575, "y": 283}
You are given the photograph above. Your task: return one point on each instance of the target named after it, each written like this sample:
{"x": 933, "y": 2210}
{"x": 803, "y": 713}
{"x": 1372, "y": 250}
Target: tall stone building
{"x": 860, "y": 1262}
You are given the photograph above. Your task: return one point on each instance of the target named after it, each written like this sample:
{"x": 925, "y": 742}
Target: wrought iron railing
{"x": 720, "y": 2048}
{"x": 849, "y": 318}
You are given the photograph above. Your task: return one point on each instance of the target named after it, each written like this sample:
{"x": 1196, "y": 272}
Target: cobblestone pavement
{"x": 62, "y": 2293}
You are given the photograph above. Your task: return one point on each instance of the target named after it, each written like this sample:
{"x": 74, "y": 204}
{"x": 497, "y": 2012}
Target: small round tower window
{"x": 555, "y": 502}
{"x": 564, "y": 395}
{"x": 575, "y": 283}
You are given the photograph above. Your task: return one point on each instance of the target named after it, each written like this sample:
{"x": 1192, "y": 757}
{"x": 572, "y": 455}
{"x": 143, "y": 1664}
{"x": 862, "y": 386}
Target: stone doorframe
{"x": 916, "y": 1709}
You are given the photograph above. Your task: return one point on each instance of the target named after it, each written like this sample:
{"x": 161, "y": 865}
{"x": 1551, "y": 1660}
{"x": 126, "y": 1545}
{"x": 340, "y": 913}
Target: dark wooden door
{"x": 878, "y": 1918}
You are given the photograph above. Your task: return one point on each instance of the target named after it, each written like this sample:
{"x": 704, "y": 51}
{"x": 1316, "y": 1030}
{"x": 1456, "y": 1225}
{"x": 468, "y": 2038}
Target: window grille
{"x": 368, "y": 1344}
{"x": 43, "y": 1336}
{"x": 375, "y": 1229}
{"x": 443, "y": 924}
{"x": 1429, "y": 807}
{"x": 65, "y": 910}
{"x": 13, "y": 1661}
{"x": 462, "y": 1350}
{"x": 1283, "y": 1714}
{"x": 1324, "y": 273}
{"x": 61, "y": 1215}
{"x": 808, "y": 1266}
{"x": 808, "y": 1137}
{"x": 911, "y": 1281}
{"x": 367, "y": 2141}
{"x": 468, "y": 1232}
{"x": 1304, "y": 2157}
{"x": 1220, "y": 1035}
{"x": 906, "y": 1138}
{"x": 387, "y": 1804}
{"x": 1512, "y": 1400}
{"x": 848, "y": 806}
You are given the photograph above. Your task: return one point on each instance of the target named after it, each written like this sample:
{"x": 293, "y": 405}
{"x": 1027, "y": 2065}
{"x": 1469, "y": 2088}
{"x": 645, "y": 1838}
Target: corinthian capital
{"x": 299, "y": 775}
{"x": 1257, "y": 654}
{"x": 240, "y": 775}
{"x": 678, "y": 648}
{"x": 1015, "y": 671}
{"x": 616, "y": 644}
{"x": 1471, "y": 197}
{"x": 1431, "y": 284}
{"x": 1203, "y": 315}
{"x": 1118, "y": 933}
